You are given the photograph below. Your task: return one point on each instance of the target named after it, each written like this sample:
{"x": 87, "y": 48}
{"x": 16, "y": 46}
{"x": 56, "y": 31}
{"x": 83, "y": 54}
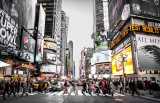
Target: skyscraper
{"x": 70, "y": 57}
{"x": 100, "y": 14}
{"x": 64, "y": 33}
{"x": 100, "y": 23}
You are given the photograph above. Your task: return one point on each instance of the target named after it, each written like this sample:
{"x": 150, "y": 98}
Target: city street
{"x": 47, "y": 98}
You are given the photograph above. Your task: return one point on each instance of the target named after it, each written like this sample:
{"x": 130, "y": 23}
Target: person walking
{"x": 73, "y": 88}
{"x": 134, "y": 87}
{"x": 65, "y": 87}
{"x": 12, "y": 87}
{"x": 24, "y": 88}
{"x": 84, "y": 87}
{"x": 6, "y": 88}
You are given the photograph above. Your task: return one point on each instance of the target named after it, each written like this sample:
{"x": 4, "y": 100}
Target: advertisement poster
{"x": 28, "y": 42}
{"x": 27, "y": 46}
{"x": 101, "y": 57}
{"x": 115, "y": 11}
{"x": 118, "y": 63}
{"x": 148, "y": 51}
{"x": 101, "y": 42}
{"x": 8, "y": 30}
{"x": 149, "y": 8}
{"x": 10, "y": 7}
{"x": 41, "y": 27}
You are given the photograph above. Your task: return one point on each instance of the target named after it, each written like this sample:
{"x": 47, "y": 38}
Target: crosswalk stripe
{"x": 60, "y": 93}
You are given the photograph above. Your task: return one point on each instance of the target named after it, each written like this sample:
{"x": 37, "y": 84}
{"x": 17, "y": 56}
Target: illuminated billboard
{"x": 118, "y": 63}
{"x": 40, "y": 23}
{"x": 101, "y": 57}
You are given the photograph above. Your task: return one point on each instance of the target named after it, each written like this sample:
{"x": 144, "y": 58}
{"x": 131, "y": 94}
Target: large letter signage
{"x": 8, "y": 30}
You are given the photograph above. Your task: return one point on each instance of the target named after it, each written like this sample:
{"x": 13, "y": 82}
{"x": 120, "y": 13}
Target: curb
{"x": 149, "y": 98}
{"x": 145, "y": 97}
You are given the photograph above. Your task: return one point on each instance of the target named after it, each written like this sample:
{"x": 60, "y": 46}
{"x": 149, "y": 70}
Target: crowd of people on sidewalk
{"x": 15, "y": 87}
{"x": 21, "y": 87}
{"x": 97, "y": 87}
{"x": 133, "y": 86}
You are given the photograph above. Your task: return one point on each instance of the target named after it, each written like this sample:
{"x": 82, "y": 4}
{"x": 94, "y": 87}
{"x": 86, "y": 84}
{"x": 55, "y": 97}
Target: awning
{"x": 3, "y": 64}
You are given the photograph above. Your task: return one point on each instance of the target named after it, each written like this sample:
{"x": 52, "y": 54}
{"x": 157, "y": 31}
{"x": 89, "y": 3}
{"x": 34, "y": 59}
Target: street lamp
{"x": 67, "y": 53}
{"x": 124, "y": 57}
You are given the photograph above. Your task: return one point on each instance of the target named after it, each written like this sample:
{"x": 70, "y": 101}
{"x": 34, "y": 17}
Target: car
{"x": 56, "y": 87}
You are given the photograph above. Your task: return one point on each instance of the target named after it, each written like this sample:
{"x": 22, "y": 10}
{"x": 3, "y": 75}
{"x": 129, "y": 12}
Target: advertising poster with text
{"x": 118, "y": 63}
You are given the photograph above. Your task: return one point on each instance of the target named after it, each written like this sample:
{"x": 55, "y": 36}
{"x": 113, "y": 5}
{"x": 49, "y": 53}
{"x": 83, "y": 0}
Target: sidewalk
{"x": 145, "y": 95}
{"x": 155, "y": 96}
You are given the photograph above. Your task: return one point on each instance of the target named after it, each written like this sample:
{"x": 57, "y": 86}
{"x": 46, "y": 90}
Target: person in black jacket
{"x": 6, "y": 87}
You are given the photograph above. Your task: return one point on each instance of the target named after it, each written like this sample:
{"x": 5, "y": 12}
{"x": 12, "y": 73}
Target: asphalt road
{"x": 43, "y": 98}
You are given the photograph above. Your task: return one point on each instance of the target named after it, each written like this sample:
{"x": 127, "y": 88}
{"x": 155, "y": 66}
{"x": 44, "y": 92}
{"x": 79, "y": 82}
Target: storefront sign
{"x": 50, "y": 45}
{"x": 135, "y": 28}
{"x": 148, "y": 51}
{"x": 118, "y": 63}
{"x": 8, "y": 30}
{"x": 29, "y": 66}
{"x": 27, "y": 56}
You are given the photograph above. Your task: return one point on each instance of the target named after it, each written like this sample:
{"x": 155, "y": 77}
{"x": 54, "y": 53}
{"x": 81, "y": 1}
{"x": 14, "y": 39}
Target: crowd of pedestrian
{"x": 103, "y": 86}
{"x": 15, "y": 87}
{"x": 133, "y": 86}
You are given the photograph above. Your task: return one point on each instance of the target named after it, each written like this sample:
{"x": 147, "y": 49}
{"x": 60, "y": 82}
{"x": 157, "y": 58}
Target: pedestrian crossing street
{"x": 60, "y": 93}
{"x": 80, "y": 94}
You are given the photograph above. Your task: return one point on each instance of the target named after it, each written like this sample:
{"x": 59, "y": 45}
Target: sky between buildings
{"x": 80, "y": 13}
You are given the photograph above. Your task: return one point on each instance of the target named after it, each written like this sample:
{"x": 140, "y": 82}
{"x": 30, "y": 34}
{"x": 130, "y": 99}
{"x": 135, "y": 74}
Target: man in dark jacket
{"x": 6, "y": 87}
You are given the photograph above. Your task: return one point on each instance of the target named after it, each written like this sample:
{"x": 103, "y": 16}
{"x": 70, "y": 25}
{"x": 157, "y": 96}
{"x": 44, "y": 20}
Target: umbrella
{"x": 3, "y": 64}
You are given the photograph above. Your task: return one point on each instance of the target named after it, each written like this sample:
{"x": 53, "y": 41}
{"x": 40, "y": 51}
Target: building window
{"x": 155, "y": 71}
{"x": 150, "y": 72}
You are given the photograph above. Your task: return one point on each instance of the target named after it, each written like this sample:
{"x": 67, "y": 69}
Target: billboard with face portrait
{"x": 148, "y": 51}
{"x": 146, "y": 8}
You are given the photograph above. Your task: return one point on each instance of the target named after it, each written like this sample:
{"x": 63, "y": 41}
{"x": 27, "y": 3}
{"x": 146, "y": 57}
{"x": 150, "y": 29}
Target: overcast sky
{"x": 80, "y": 13}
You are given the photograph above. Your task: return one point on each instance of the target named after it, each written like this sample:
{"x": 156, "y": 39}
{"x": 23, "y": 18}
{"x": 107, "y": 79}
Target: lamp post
{"x": 123, "y": 56}
{"x": 67, "y": 53}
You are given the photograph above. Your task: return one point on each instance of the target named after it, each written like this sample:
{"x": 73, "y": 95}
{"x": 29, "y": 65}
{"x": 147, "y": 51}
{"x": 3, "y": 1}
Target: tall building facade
{"x": 64, "y": 33}
{"x": 85, "y": 62}
{"x": 70, "y": 58}
{"x": 100, "y": 24}
{"x": 49, "y": 7}
{"x": 57, "y": 29}
{"x": 19, "y": 48}
{"x": 134, "y": 25}
{"x": 53, "y": 10}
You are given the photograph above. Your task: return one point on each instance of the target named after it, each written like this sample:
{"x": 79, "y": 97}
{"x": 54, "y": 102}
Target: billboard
{"x": 27, "y": 46}
{"x": 50, "y": 45}
{"x": 148, "y": 51}
{"x": 115, "y": 10}
{"x": 28, "y": 42}
{"x": 8, "y": 30}
{"x": 49, "y": 68}
{"x": 118, "y": 62}
{"x": 101, "y": 42}
{"x": 101, "y": 57}
{"x": 146, "y": 8}
{"x": 40, "y": 23}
